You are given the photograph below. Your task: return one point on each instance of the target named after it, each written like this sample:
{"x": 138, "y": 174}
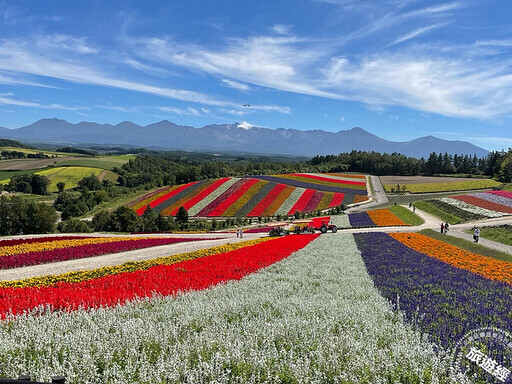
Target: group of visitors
{"x": 445, "y": 227}
{"x": 239, "y": 233}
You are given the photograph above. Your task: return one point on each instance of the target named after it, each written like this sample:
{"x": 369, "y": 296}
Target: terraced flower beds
{"x": 486, "y": 204}
{"x": 313, "y": 318}
{"x": 56, "y": 249}
{"x": 256, "y": 196}
{"x": 109, "y": 286}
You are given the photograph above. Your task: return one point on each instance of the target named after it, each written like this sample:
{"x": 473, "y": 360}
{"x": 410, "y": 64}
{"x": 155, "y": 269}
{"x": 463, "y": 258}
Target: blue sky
{"x": 399, "y": 69}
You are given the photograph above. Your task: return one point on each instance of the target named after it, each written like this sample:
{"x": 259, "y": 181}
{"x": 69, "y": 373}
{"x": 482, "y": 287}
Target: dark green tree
{"x": 124, "y": 219}
{"x": 182, "y": 217}
{"x": 100, "y": 221}
{"x": 149, "y": 220}
{"x": 39, "y": 184}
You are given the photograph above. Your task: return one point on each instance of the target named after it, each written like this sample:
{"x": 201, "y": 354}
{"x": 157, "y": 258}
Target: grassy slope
{"x": 406, "y": 215}
{"x": 468, "y": 245}
{"x": 115, "y": 203}
{"x": 443, "y": 215}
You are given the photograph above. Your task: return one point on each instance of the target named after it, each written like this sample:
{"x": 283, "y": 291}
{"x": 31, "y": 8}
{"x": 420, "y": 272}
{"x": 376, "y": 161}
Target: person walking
{"x": 241, "y": 233}
{"x": 442, "y": 227}
{"x": 476, "y": 234}
{"x": 446, "y": 225}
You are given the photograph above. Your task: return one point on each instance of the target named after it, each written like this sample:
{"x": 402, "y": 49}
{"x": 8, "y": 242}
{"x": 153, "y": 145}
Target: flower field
{"x": 375, "y": 218}
{"x": 48, "y": 250}
{"x": 314, "y": 317}
{"x": 191, "y": 273}
{"x": 446, "y": 187}
{"x": 484, "y": 204}
{"x": 256, "y": 196}
{"x": 447, "y": 292}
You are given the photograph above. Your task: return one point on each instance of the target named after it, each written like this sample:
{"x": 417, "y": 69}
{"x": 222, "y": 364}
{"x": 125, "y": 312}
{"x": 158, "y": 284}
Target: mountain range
{"x": 236, "y": 138}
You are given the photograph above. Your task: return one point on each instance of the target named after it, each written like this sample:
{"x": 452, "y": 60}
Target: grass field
{"x": 468, "y": 245}
{"x": 69, "y": 175}
{"x": 104, "y": 162}
{"x": 406, "y": 215}
{"x": 435, "y": 211}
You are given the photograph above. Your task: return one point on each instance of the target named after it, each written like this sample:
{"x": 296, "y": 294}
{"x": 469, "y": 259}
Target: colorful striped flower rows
{"x": 375, "y": 218}
{"x": 54, "y": 250}
{"x": 256, "y": 196}
{"x": 487, "y": 204}
{"x": 110, "y": 286}
{"x": 446, "y": 291}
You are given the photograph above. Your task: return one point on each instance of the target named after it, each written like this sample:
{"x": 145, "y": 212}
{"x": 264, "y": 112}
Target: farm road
{"x": 123, "y": 257}
{"x": 379, "y": 196}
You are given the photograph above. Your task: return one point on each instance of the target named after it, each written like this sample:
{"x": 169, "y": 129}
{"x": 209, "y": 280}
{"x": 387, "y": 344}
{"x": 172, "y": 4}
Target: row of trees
{"x": 8, "y": 155}
{"x": 19, "y": 216}
{"x": 496, "y": 164}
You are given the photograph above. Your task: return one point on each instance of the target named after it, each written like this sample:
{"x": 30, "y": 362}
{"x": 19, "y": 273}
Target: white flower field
{"x": 315, "y": 317}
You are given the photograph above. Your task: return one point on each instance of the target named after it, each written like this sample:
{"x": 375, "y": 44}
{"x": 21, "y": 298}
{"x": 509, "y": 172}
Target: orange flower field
{"x": 384, "y": 218}
{"x": 482, "y": 265}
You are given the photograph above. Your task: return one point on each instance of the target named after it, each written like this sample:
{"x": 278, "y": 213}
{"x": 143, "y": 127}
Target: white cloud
{"x": 281, "y": 29}
{"x": 418, "y": 79}
{"x": 416, "y": 33}
{"x": 115, "y": 108}
{"x": 235, "y": 85}
{"x": 189, "y": 111}
{"x": 245, "y": 125}
{"x": 63, "y": 42}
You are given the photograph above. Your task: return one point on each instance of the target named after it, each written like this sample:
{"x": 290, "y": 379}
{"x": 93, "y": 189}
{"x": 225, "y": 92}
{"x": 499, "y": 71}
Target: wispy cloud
{"x": 22, "y": 103}
{"x": 181, "y": 111}
{"x": 61, "y": 42}
{"x": 281, "y": 29}
{"x": 417, "y": 32}
{"x": 235, "y": 85}
{"x": 418, "y": 78}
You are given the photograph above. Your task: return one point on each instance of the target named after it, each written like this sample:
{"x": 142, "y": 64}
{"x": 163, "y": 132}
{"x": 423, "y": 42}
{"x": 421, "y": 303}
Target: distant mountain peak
{"x": 239, "y": 137}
